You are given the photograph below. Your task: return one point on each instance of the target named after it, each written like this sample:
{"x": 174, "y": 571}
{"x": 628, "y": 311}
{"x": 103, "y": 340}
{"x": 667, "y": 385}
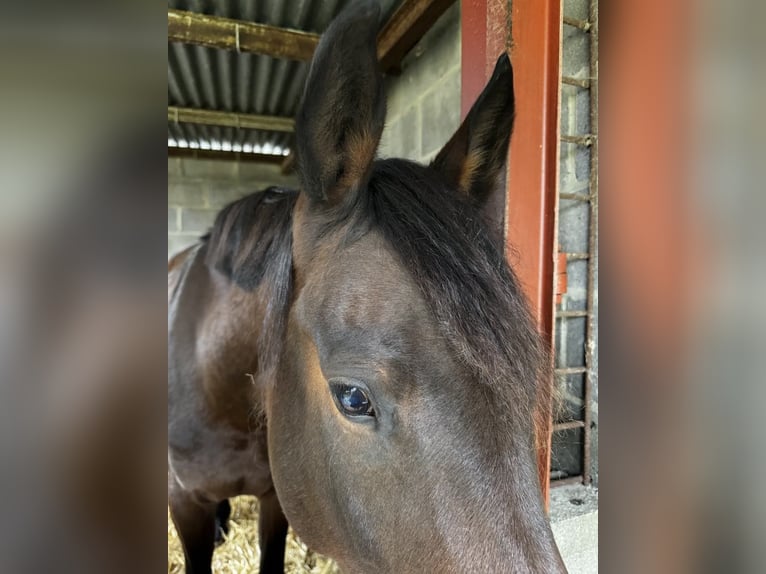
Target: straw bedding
{"x": 239, "y": 553}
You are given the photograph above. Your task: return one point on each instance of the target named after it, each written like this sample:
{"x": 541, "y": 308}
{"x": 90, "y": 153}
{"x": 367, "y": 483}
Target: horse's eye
{"x": 353, "y": 401}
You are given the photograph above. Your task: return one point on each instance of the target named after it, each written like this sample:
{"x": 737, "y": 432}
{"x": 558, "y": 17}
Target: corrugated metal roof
{"x": 207, "y": 78}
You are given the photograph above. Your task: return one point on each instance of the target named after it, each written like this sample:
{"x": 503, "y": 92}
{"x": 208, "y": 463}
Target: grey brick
{"x": 583, "y": 111}
{"x": 575, "y": 52}
{"x": 220, "y": 195}
{"x": 573, "y": 225}
{"x": 179, "y": 241}
{"x": 576, "y": 9}
{"x": 564, "y": 454}
{"x": 385, "y": 147}
{"x": 569, "y": 388}
{"x": 582, "y": 163}
{"x": 197, "y": 220}
{"x": 402, "y": 137}
{"x": 430, "y": 60}
{"x": 567, "y": 181}
{"x": 427, "y": 158}
{"x": 424, "y": 101}
{"x": 577, "y": 281}
{"x": 440, "y": 110}
{"x": 402, "y": 92}
{"x": 575, "y": 340}
{"x": 393, "y": 144}
{"x": 172, "y": 219}
{"x": 186, "y": 194}
{"x": 409, "y": 141}
{"x": 567, "y": 104}
{"x": 209, "y": 168}
{"x": 174, "y": 167}
{"x": 271, "y": 174}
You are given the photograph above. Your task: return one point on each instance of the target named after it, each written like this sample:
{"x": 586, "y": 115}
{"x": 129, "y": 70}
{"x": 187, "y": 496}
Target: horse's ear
{"x": 341, "y": 118}
{"x": 474, "y": 157}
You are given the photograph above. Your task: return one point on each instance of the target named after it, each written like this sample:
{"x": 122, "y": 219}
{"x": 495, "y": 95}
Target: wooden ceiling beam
{"x": 399, "y": 35}
{"x": 225, "y": 155}
{"x": 239, "y": 35}
{"x": 230, "y": 119}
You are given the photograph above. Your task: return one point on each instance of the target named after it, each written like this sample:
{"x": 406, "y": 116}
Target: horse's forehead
{"x": 365, "y": 283}
{"x": 363, "y": 308}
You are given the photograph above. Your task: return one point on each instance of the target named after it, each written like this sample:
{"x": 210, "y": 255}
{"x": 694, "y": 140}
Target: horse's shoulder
{"x": 177, "y": 259}
{"x": 176, "y": 265}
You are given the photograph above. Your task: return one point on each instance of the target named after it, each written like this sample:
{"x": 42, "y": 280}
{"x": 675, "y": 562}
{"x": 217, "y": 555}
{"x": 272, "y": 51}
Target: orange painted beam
{"x": 532, "y": 31}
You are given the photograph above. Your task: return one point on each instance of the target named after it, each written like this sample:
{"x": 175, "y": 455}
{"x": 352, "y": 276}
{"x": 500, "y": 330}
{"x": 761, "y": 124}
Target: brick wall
{"x": 424, "y": 101}
{"x": 574, "y": 215}
{"x": 198, "y": 189}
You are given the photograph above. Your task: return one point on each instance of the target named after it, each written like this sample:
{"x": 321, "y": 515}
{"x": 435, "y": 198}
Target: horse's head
{"x": 401, "y": 434}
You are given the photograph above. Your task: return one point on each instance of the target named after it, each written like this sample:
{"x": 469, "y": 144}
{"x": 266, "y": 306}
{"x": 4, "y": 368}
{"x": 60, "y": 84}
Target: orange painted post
{"x": 532, "y": 32}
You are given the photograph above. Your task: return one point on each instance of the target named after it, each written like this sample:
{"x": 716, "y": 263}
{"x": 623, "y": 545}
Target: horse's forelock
{"x": 461, "y": 271}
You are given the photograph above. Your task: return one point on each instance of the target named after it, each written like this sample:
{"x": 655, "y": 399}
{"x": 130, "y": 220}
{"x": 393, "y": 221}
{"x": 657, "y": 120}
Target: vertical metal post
{"x": 532, "y": 31}
{"x": 592, "y": 244}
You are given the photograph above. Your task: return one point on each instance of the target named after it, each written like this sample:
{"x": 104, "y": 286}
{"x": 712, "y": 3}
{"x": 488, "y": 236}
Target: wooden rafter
{"x": 228, "y": 34}
{"x": 230, "y": 119}
{"x": 402, "y": 31}
{"x": 225, "y": 155}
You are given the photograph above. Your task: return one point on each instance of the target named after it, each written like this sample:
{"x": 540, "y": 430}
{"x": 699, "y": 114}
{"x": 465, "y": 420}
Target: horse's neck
{"x": 224, "y": 321}
{"x": 231, "y": 327}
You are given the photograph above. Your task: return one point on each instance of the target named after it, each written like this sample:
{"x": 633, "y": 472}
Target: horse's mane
{"x": 251, "y": 239}
{"x": 441, "y": 238}
{"x": 251, "y": 243}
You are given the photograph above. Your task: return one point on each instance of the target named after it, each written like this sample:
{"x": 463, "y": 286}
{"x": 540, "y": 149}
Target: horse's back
{"x": 215, "y": 447}
{"x": 176, "y": 265}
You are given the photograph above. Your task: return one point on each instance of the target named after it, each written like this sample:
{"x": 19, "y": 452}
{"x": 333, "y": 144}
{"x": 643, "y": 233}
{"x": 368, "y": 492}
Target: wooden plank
{"x": 399, "y": 35}
{"x": 405, "y": 28}
{"x": 228, "y": 34}
{"x": 531, "y": 179}
{"x": 230, "y": 119}
{"x": 224, "y": 155}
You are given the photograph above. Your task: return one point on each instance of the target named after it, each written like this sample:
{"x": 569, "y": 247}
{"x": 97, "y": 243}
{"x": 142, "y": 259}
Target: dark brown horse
{"x": 358, "y": 355}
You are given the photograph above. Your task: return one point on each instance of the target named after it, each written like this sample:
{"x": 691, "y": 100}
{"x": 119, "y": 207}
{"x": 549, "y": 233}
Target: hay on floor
{"x": 239, "y": 553}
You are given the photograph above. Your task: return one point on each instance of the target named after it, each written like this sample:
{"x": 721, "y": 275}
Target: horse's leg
{"x": 272, "y": 535}
{"x": 195, "y": 524}
{"x": 222, "y": 513}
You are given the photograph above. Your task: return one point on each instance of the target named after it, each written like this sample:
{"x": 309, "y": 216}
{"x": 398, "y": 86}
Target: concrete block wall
{"x": 424, "y": 101}
{"x": 574, "y": 175}
{"x": 198, "y": 189}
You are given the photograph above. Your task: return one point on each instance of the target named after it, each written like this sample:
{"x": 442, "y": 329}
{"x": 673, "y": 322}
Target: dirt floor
{"x": 239, "y": 553}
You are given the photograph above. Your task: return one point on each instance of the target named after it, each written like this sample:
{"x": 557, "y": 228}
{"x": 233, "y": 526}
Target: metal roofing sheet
{"x": 207, "y": 78}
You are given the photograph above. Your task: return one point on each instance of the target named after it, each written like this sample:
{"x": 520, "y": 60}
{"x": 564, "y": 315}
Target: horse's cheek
{"x": 298, "y": 454}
